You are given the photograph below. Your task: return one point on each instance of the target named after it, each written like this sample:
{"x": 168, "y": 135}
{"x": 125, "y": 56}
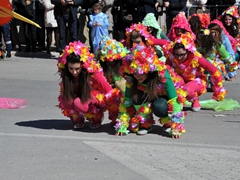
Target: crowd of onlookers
{"x": 69, "y": 20}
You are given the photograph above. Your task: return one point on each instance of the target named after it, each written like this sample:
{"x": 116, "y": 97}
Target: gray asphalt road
{"x": 38, "y": 142}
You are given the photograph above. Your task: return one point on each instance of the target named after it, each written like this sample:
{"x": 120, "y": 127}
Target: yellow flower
{"x": 195, "y": 63}
{"x": 71, "y": 50}
{"x": 147, "y": 110}
{"x": 100, "y": 97}
{"x": 124, "y": 117}
{"x": 61, "y": 65}
{"x": 122, "y": 108}
{"x": 206, "y": 32}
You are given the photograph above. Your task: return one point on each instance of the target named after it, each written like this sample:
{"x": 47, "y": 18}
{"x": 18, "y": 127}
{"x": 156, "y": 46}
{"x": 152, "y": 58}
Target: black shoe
{"x": 8, "y": 55}
{"x": 27, "y": 50}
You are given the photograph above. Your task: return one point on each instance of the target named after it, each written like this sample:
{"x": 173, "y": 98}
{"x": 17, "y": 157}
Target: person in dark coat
{"x": 65, "y": 12}
{"x": 173, "y": 7}
{"x": 143, "y": 8}
{"x": 216, "y": 11}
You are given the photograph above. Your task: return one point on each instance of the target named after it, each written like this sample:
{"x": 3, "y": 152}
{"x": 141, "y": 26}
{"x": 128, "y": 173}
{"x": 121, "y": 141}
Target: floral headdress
{"x": 142, "y": 60}
{"x": 79, "y": 49}
{"x": 180, "y": 21}
{"x": 142, "y": 31}
{"x": 233, "y": 11}
{"x": 110, "y": 50}
{"x": 186, "y": 40}
{"x": 150, "y": 21}
{"x": 203, "y": 17}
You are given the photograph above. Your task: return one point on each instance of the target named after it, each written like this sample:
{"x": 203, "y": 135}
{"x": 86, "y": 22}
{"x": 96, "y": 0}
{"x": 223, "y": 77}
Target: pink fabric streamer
{"x": 12, "y": 103}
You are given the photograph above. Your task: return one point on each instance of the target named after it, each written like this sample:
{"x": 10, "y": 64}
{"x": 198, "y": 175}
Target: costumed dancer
{"x": 198, "y": 21}
{"x": 215, "y": 52}
{"x": 188, "y": 63}
{"x": 149, "y": 89}
{"x": 110, "y": 54}
{"x": 154, "y": 29}
{"x": 220, "y": 33}
{"x": 138, "y": 33}
{"x": 180, "y": 26}
{"x": 231, "y": 21}
{"x": 84, "y": 91}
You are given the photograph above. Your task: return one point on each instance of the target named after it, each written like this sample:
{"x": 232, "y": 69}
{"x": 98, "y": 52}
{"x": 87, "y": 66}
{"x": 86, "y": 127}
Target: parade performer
{"x": 198, "y": 21}
{"x": 110, "y": 54}
{"x": 231, "y": 21}
{"x": 149, "y": 89}
{"x": 180, "y": 26}
{"x": 138, "y": 33}
{"x": 188, "y": 63}
{"x": 215, "y": 52}
{"x": 84, "y": 91}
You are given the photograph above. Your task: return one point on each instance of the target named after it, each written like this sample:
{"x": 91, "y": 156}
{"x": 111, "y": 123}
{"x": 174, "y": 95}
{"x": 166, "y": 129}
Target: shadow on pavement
{"x": 42, "y": 55}
{"x": 65, "y": 125}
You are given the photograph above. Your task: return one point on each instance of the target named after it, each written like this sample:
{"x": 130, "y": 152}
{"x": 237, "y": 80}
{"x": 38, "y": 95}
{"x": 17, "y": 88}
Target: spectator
{"x": 107, "y": 9}
{"x": 14, "y": 30}
{"x": 144, "y": 7}
{"x": 216, "y": 11}
{"x": 41, "y": 36}
{"x": 5, "y": 31}
{"x": 50, "y": 24}
{"x": 198, "y": 3}
{"x": 27, "y": 8}
{"x": 65, "y": 12}
{"x": 173, "y": 7}
{"x": 98, "y": 23}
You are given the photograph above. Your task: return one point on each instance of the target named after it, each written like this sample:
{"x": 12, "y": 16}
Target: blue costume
{"x": 227, "y": 44}
{"x": 98, "y": 31}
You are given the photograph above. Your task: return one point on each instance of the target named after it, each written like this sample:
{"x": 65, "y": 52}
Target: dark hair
{"x": 207, "y": 42}
{"x": 195, "y": 24}
{"x": 154, "y": 31}
{"x": 233, "y": 28}
{"x": 115, "y": 66}
{"x": 216, "y": 27}
{"x": 152, "y": 82}
{"x": 136, "y": 36}
{"x": 72, "y": 89}
{"x": 178, "y": 46}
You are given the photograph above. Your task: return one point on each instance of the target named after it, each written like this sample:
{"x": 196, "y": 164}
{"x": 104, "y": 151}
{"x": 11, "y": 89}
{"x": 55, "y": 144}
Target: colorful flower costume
{"x": 150, "y": 21}
{"x": 220, "y": 58}
{"x": 98, "y": 31}
{"x": 144, "y": 34}
{"x": 225, "y": 36}
{"x": 137, "y": 114}
{"x": 203, "y": 17}
{"x": 103, "y": 97}
{"x": 233, "y": 11}
{"x": 180, "y": 21}
{"x": 110, "y": 53}
{"x": 192, "y": 70}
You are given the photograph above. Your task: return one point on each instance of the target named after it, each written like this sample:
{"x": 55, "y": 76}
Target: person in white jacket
{"x": 50, "y": 24}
